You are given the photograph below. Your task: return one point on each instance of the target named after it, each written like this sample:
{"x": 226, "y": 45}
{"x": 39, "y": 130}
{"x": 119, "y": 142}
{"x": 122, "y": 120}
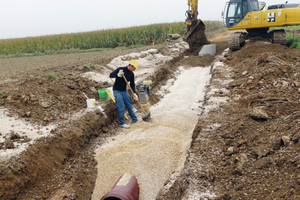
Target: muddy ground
{"x": 247, "y": 148}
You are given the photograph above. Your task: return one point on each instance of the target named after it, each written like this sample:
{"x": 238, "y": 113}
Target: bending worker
{"x": 121, "y": 94}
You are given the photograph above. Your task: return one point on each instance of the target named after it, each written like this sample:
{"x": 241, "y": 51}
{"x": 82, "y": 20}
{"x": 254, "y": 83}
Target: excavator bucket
{"x": 196, "y": 37}
{"x": 192, "y": 28}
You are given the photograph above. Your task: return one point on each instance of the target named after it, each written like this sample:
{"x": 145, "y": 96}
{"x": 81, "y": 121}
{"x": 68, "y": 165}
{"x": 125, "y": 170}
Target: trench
{"x": 156, "y": 150}
{"x": 29, "y": 174}
{"x": 152, "y": 151}
{"x": 63, "y": 165}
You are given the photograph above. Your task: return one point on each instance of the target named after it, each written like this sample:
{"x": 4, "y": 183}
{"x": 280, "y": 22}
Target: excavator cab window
{"x": 245, "y": 7}
{"x": 237, "y": 10}
{"x": 234, "y": 13}
{"x": 254, "y": 5}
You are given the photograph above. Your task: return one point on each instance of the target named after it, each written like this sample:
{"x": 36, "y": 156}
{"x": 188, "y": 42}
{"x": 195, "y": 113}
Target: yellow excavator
{"x": 192, "y": 20}
{"x": 250, "y": 15}
{"x": 195, "y": 33}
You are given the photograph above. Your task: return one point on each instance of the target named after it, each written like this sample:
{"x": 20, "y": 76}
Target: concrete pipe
{"x": 126, "y": 188}
{"x": 208, "y": 49}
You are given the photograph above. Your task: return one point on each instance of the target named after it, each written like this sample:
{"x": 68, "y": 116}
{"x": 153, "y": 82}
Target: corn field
{"x": 125, "y": 37}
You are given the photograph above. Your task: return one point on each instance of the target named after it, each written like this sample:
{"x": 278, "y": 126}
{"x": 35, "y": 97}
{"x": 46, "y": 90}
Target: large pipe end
{"x": 208, "y": 49}
{"x": 126, "y": 188}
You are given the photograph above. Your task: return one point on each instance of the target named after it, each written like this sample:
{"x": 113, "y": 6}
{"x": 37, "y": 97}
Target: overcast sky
{"x": 26, "y": 18}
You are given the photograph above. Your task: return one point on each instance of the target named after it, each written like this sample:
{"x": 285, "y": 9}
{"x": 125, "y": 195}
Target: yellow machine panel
{"x": 250, "y": 15}
{"x": 269, "y": 18}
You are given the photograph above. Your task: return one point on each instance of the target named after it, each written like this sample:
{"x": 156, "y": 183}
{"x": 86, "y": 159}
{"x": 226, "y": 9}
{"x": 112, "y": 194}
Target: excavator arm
{"x": 191, "y": 18}
{"x": 192, "y": 12}
{"x": 195, "y": 34}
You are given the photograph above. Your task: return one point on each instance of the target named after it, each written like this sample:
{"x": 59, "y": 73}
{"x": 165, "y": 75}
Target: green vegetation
{"x": 293, "y": 40}
{"x": 287, "y": 28}
{"x": 94, "y": 41}
{"x": 51, "y": 76}
{"x": 89, "y": 66}
{"x": 53, "y": 52}
{"x": 2, "y": 93}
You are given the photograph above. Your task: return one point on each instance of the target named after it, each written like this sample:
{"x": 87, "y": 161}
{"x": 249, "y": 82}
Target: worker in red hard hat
{"x": 120, "y": 92}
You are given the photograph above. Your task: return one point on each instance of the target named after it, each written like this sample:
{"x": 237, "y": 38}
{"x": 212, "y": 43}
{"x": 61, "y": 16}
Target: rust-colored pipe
{"x": 126, "y": 188}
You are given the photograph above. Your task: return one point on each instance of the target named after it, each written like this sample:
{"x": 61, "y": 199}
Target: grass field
{"x": 94, "y": 41}
{"x": 292, "y": 36}
{"x": 108, "y": 39}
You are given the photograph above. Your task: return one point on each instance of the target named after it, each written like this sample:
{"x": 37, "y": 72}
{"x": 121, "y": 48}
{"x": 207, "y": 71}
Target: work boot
{"x": 134, "y": 121}
{"x": 125, "y": 126}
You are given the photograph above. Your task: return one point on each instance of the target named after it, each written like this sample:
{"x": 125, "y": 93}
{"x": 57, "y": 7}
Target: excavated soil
{"x": 248, "y": 147}
{"x": 244, "y": 147}
{"x": 60, "y": 165}
{"x": 42, "y": 100}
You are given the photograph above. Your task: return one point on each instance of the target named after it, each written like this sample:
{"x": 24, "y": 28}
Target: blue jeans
{"x": 122, "y": 99}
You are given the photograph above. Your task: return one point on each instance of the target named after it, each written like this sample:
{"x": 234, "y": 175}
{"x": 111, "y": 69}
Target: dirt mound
{"x": 248, "y": 148}
{"x": 43, "y": 100}
{"x": 49, "y": 155}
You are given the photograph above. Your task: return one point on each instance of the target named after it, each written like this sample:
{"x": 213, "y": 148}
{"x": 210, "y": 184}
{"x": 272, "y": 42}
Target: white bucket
{"x": 90, "y": 103}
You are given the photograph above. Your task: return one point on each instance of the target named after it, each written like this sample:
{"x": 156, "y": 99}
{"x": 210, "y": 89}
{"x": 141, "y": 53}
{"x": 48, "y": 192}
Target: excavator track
{"x": 192, "y": 28}
{"x": 278, "y": 37}
{"x": 236, "y": 40}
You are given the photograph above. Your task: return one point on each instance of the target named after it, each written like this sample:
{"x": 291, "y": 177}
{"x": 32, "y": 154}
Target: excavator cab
{"x": 251, "y": 16}
{"x": 236, "y": 10}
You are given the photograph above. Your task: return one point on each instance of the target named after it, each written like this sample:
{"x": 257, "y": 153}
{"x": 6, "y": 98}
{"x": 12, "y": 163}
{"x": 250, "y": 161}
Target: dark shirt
{"x": 120, "y": 84}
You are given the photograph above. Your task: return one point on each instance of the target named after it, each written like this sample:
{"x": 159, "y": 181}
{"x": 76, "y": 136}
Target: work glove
{"x": 135, "y": 97}
{"x": 120, "y": 73}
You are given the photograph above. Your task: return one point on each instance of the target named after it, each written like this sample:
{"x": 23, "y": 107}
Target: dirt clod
{"x": 8, "y": 143}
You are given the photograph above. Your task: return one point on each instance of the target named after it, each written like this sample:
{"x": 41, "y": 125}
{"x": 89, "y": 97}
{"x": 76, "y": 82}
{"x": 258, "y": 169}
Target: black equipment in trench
{"x": 144, "y": 91}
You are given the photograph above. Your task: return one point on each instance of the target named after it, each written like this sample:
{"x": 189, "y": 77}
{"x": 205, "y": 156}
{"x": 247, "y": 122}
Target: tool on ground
{"x": 85, "y": 95}
{"x": 146, "y": 115}
{"x": 114, "y": 101}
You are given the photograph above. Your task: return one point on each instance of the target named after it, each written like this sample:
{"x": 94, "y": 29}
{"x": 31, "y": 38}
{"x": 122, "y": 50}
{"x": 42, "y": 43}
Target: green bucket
{"x": 102, "y": 94}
